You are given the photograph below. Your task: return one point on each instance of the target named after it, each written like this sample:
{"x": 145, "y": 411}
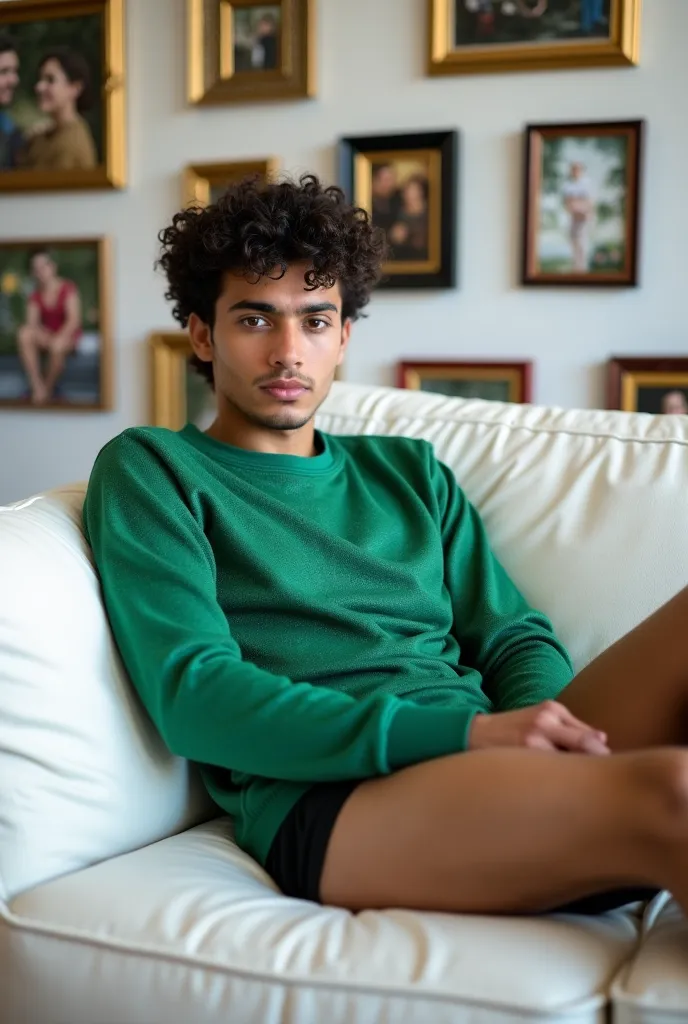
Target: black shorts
{"x": 297, "y": 854}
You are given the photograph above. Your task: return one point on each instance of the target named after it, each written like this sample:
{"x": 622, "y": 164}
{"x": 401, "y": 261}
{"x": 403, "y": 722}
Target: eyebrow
{"x": 267, "y": 307}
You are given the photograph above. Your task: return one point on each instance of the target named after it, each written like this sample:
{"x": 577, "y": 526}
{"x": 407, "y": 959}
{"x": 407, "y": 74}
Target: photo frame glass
{"x": 256, "y": 32}
{"x": 61, "y": 95}
{"x": 490, "y": 382}
{"x": 582, "y": 201}
{"x": 513, "y": 23}
{"x": 54, "y": 332}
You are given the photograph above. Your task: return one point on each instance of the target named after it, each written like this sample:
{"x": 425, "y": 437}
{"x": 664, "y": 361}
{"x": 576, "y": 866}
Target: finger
{"x": 537, "y": 740}
{"x": 573, "y": 737}
{"x": 568, "y": 717}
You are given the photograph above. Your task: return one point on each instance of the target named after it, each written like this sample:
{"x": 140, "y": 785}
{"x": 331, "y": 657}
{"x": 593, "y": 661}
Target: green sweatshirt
{"x": 290, "y": 620}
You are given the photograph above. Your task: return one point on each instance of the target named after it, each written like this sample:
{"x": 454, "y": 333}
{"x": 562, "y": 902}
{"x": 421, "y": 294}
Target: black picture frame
{"x": 441, "y": 150}
{"x": 535, "y": 138}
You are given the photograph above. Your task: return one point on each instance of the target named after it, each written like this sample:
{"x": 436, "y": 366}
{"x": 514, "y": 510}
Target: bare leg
{"x": 29, "y": 343}
{"x": 637, "y": 690}
{"x": 511, "y": 831}
{"x": 58, "y": 357}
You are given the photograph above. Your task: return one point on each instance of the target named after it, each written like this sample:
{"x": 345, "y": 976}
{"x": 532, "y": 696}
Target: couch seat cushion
{"x": 653, "y": 987}
{"x": 192, "y": 929}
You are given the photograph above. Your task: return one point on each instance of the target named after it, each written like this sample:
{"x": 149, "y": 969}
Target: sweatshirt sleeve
{"x": 511, "y": 644}
{"x": 158, "y": 580}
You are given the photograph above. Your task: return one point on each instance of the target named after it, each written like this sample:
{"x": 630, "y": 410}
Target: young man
{"x": 320, "y": 623}
{"x": 10, "y": 135}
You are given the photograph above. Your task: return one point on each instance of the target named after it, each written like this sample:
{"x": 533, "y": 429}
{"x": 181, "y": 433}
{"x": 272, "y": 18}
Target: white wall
{"x": 371, "y": 79}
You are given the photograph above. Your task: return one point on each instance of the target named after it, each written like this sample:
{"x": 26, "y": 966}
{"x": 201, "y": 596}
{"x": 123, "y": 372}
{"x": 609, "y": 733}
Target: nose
{"x": 287, "y": 346}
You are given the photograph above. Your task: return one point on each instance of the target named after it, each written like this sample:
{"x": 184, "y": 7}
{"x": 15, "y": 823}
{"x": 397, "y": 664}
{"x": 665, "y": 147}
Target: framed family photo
{"x": 55, "y": 341}
{"x": 582, "y": 204}
{"x": 205, "y": 183}
{"x": 408, "y": 185}
{"x": 491, "y": 382}
{"x": 472, "y": 36}
{"x": 242, "y": 51}
{"x": 62, "y": 104}
{"x": 652, "y": 384}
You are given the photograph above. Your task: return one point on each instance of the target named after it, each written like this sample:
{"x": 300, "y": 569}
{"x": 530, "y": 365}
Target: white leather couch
{"x": 123, "y": 899}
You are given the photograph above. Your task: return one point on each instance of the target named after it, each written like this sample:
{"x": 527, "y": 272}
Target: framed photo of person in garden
{"x": 582, "y": 203}
{"x": 55, "y": 345}
{"x": 470, "y": 36}
{"x": 61, "y": 95}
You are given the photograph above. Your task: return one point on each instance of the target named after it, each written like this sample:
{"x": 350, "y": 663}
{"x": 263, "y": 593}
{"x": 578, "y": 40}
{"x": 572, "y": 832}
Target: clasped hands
{"x": 545, "y": 726}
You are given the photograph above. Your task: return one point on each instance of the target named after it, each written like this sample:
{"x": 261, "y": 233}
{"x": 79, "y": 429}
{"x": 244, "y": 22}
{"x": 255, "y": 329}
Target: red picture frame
{"x": 501, "y": 382}
{"x": 653, "y": 384}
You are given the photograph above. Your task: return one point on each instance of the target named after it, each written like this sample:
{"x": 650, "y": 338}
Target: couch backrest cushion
{"x": 587, "y": 510}
{"x": 83, "y": 775}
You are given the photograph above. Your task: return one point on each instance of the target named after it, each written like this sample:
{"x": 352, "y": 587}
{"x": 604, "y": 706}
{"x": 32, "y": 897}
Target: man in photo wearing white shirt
{"x": 578, "y": 202}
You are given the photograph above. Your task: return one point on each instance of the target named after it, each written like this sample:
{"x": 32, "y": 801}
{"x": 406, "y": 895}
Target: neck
{"x": 65, "y": 116}
{"x": 232, "y": 427}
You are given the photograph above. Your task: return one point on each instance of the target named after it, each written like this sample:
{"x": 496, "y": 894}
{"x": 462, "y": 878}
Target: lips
{"x": 287, "y": 390}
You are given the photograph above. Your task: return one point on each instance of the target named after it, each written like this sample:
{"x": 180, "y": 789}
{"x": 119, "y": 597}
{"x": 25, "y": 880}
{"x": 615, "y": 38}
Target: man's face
{"x": 274, "y": 332}
{"x": 576, "y": 171}
{"x": 384, "y": 181}
{"x": 9, "y": 76}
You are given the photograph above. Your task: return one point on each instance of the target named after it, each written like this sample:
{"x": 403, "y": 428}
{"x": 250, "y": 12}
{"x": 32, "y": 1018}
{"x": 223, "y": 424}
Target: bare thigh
{"x": 495, "y": 831}
{"x": 637, "y": 690}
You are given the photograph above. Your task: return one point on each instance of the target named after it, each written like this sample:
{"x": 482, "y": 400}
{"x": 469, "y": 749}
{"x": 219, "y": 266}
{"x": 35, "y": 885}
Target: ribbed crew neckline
{"x": 233, "y": 456}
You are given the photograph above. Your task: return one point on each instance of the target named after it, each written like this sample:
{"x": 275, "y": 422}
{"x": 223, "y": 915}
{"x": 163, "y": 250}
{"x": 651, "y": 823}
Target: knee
{"x": 664, "y": 774}
{"x": 24, "y": 336}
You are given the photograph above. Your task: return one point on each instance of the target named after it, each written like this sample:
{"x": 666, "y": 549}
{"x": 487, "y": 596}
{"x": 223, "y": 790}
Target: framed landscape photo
{"x": 491, "y": 382}
{"x": 205, "y": 183}
{"x": 652, "y": 384}
{"x": 582, "y": 203}
{"x": 242, "y": 51}
{"x": 408, "y": 185}
{"x": 62, "y": 104}
{"x": 472, "y": 36}
{"x": 55, "y": 342}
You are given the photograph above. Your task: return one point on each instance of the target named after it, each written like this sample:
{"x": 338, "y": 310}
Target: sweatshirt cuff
{"x": 420, "y": 732}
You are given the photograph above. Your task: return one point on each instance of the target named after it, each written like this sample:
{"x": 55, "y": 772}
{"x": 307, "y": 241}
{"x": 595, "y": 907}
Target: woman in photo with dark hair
{"x": 63, "y": 92}
{"x": 53, "y": 325}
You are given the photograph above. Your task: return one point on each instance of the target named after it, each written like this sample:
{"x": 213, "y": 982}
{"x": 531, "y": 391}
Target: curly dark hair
{"x": 257, "y": 226}
{"x": 76, "y": 69}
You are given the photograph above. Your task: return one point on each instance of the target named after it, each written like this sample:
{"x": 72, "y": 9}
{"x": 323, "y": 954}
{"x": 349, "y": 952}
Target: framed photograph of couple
{"x": 55, "y": 341}
{"x": 473, "y": 36}
{"x": 653, "y": 384}
{"x": 242, "y": 51}
{"x": 62, "y": 104}
{"x": 582, "y": 204}
{"x": 205, "y": 183}
{"x": 490, "y": 382}
{"x": 408, "y": 185}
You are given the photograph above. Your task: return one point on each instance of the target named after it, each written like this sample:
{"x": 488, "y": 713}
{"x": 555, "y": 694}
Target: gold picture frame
{"x": 611, "y": 42}
{"x": 109, "y": 140}
{"x": 87, "y": 384}
{"x": 225, "y": 66}
{"x": 200, "y": 180}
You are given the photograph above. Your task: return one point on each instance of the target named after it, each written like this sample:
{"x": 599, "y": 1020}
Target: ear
{"x": 200, "y": 336}
{"x": 346, "y": 336}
